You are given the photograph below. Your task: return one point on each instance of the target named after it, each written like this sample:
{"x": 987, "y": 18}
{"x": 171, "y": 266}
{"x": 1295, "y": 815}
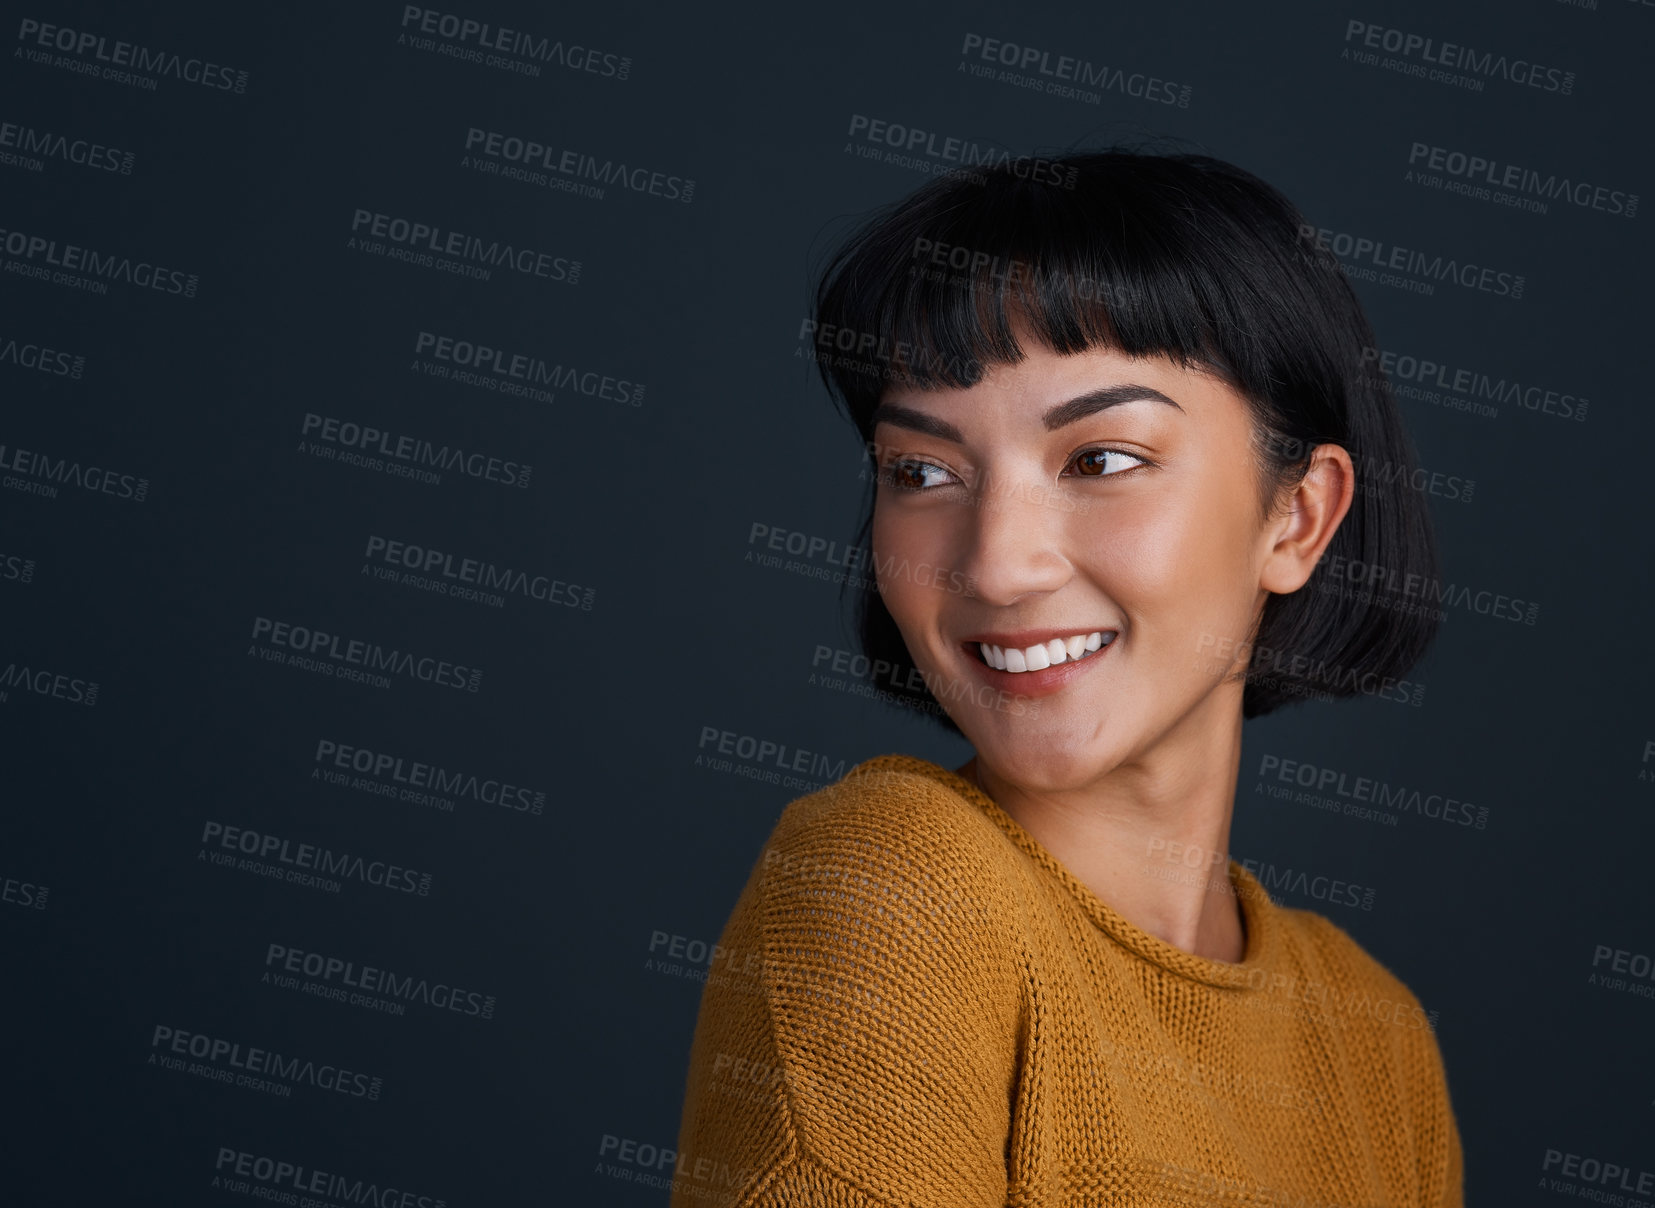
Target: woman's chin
{"x": 1044, "y": 761}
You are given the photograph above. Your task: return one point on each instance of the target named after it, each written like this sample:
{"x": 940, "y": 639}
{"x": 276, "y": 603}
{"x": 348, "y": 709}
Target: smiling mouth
{"x": 1072, "y": 649}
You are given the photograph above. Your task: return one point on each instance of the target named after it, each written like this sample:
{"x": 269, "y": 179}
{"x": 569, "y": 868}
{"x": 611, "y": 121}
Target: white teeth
{"x": 1047, "y": 654}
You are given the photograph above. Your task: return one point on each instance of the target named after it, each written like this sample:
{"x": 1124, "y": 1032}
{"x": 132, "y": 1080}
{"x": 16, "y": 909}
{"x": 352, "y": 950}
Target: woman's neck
{"x": 1152, "y": 842}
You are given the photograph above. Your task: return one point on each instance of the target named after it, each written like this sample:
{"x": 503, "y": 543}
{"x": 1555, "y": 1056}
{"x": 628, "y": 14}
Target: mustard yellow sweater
{"x": 914, "y": 1003}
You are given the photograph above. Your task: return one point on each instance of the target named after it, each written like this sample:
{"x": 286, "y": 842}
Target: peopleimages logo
{"x": 27, "y": 894}
{"x": 373, "y": 448}
{"x": 464, "y": 38}
{"x": 944, "y": 153}
{"x": 15, "y": 568}
{"x": 1417, "y": 373}
{"x": 1360, "y": 256}
{"x": 1597, "y": 1174}
{"x": 1387, "y": 587}
{"x": 1472, "y": 172}
{"x": 344, "y": 980}
{"x": 450, "y": 574}
{"x": 41, "y": 682}
{"x": 1064, "y": 75}
{"x": 50, "y": 361}
{"x": 219, "y": 1059}
{"x": 1401, "y": 798}
{"x": 1433, "y": 56}
{"x": 319, "y": 643}
{"x": 527, "y": 155}
{"x": 118, "y": 54}
{"x": 33, "y": 147}
{"x": 33, "y": 253}
{"x": 36, "y": 473}
{"x": 1321, "y": 887}
{"x": 755, "y": 753}
{"x": 853, "y": 558}
{"x": 497, "y": 363}
{"x": 456, "y": 252}
{"x": 267, "y": 852}
{"x": 237, "y": 1171}
{"x": 388, "y": 771}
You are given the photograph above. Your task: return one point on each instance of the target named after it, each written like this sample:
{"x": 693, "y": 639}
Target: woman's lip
{"x": 1035, "y": 683}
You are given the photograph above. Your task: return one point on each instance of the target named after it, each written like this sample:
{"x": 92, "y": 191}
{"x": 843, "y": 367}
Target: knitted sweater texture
{"x": 915, "y": 1004}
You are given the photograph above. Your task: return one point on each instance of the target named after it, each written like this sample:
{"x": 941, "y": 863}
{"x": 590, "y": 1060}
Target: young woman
{"x": 1118, "y": 415}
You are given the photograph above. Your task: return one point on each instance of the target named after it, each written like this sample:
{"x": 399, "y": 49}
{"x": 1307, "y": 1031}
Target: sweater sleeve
{"x": 1391, "y": 1038}
{"x": 866, "y": 1057}
{"x": 1442, "y": 1162}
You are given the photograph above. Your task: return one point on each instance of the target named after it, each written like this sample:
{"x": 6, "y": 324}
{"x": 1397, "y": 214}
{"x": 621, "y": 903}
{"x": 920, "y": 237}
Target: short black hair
{"x": 1149, "y": 252}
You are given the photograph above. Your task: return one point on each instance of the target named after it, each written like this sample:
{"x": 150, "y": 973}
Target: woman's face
{"x": 1032, "y": 513}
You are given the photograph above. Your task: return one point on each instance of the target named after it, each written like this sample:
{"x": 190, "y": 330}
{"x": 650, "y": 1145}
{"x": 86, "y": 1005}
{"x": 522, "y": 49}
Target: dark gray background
{"x": 1547, "y": 725}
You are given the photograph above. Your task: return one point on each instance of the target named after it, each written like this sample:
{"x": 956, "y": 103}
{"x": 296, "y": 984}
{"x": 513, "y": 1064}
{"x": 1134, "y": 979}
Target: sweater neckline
{"x": 1260, "y": 915}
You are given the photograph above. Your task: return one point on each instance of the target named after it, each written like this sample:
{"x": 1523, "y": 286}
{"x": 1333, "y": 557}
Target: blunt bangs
{"x": 1177, "y": 255}
{"x": 1128, "y": 256}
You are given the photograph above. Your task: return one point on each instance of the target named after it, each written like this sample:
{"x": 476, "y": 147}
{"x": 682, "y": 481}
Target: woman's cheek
{"x": 1170, "y": 579}
{"x": 1132, "y": 556}
{"x": 907, "y": 542}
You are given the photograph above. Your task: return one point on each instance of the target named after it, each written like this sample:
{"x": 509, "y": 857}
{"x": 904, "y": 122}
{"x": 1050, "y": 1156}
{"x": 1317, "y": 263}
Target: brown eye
{"x": 1094, "y": 463}
{"x": 906, "y": 475}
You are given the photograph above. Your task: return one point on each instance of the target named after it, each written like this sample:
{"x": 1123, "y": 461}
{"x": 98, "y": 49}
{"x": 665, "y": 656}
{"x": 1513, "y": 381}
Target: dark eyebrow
{"x": 1059, "y": 416}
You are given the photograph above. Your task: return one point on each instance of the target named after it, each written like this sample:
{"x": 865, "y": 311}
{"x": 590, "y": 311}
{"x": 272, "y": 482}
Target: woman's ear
{"x": 1313, "y": 511}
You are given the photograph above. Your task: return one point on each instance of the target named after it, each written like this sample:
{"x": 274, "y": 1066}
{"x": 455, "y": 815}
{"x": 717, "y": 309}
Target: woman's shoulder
{"x": 880, "y": 1005}
{"x": 895, "y": 854}
{"x": 1334, "y": 971}
{"x": 893, "y": 816}
{"x": 1386, "y": 1029}
{"x": 927, "y": 790}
